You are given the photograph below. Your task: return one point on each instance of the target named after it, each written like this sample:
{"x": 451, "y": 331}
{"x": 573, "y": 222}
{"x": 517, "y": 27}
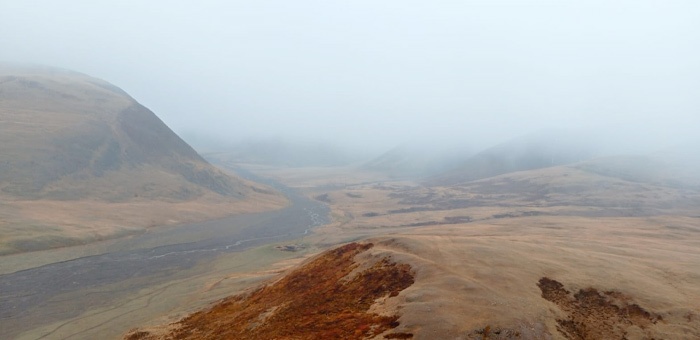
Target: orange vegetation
{"x": 328, "y": 298}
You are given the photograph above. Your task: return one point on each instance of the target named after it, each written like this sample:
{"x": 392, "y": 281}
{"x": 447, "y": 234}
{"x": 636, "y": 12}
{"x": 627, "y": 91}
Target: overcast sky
{"x": 380, "y": 72}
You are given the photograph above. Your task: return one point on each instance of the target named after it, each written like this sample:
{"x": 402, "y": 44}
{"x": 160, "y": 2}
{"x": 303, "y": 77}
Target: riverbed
{"x": 36, "y": 297}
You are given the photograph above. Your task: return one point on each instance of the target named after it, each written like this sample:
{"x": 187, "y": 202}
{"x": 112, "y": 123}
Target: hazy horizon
{"x": 376, "y": 75}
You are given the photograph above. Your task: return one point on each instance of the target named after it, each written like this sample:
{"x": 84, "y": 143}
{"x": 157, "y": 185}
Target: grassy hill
{"x": 67, "y": 137}
{"x": 62, "y": 129}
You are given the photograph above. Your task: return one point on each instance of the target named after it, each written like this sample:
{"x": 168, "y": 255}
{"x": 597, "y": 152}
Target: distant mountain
{"x": 539, "y": 150}
{"x": 66, "y": 136}
{"x": 282, "y": 152}
{"x": 677, "y": 166}
{"x": 685, "y": 154}
{"x": 416, "y": 161}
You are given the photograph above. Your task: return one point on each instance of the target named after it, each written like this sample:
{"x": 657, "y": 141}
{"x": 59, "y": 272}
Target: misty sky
{"x": 380, "y": 72}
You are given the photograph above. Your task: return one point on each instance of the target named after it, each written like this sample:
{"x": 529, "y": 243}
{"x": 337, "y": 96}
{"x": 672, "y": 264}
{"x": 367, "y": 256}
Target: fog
{"x": 375, "y": 74}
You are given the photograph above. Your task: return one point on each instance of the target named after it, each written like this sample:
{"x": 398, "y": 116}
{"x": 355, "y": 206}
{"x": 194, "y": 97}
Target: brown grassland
{"x": 557, "y": 253}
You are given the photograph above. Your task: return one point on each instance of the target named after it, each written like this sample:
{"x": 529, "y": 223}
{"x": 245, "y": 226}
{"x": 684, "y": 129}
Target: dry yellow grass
{"x": 316, "y": 177}
{"x": 484, "y": 276}
{"x": 42, "y": 224}
{"x": 480, "y": 251}
{"x": 476, "y": 275}
{"x": 581, "y": 229}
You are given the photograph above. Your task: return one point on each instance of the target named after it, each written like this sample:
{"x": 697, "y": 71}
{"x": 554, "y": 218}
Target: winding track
{"x": 29, "y": 298}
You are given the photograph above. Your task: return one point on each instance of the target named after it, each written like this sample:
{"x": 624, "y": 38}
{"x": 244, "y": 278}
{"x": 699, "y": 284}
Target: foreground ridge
{"x": 328, "y": 298}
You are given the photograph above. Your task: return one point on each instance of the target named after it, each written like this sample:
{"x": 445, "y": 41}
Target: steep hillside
{"x": 67, "y": 137}
{"x": 60, "y": 129}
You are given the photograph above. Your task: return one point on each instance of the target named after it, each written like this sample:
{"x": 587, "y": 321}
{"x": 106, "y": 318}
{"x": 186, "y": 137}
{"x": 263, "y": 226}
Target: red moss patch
{"x": 316, "y": 301}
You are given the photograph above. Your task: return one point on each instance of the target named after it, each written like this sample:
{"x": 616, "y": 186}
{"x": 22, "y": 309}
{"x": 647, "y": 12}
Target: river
{"x": 27, "y": 297}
